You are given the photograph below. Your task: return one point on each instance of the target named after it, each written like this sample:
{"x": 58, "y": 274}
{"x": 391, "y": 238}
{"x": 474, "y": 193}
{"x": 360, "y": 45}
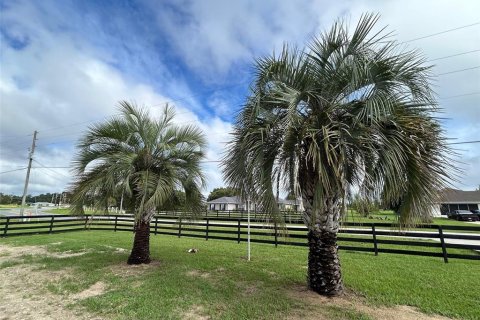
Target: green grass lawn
{"x": 219, "y": 282}
{"x": 66, "y": 211}
{"x": 388, "y": 216}
{"x": 9, "y": 206}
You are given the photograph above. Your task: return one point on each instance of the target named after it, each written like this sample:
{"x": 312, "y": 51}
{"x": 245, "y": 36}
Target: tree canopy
{"x": 222, "y": 192}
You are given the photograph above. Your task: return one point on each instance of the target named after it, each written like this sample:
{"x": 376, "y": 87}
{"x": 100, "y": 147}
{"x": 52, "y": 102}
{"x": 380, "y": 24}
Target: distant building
{"x": 226, "y": 203}
{"x": 290, "y": 205}
{"x": 236, "y": 203}
{"x": 453, "y": 199}
{"x": 42, "y": 204}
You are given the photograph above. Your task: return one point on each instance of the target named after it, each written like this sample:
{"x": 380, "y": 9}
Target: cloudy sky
{"x": 65, "y": 64}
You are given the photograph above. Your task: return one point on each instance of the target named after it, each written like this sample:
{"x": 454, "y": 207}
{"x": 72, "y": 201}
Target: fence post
{"x": 276, "y": 233}
{"x": 6, "y": 227}
{"x": 156, "y": 224}
{"x": 206, "y": 230}
{"x": 86, "y": 221}
{"x": 375, "y": 244}
{"x": 180, "y": 227}
{"x": 238, "y": 232}
{"x": 116, "y": 221}
{"x": 51, "y": 225}
{"x": 442, "y": 241}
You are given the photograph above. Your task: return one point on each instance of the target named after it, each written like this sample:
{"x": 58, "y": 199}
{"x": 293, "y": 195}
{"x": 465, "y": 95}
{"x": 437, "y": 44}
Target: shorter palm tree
{"x": 145, "y": 159}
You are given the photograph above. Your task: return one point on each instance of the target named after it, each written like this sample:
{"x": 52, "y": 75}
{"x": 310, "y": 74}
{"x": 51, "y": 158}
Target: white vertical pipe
{"x": 248, "y": 227}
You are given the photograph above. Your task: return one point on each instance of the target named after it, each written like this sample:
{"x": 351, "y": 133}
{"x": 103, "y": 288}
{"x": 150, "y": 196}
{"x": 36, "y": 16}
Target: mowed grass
{"x": 220, "y": 283}
{"x": 67, "y": 211}
{"x": 388, "y": 216}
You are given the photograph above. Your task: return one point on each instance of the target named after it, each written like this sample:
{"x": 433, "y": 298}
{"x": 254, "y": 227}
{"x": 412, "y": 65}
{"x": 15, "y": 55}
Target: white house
{"x": 42, "y": 204}
{"x": 236, "y": 203}
{"x": 290, "y": 205}
{"x": 226, "y": 203}
{"x": 453, "y": 199}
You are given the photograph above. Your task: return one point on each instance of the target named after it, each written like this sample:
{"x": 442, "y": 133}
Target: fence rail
{"x": 377, "y": 238}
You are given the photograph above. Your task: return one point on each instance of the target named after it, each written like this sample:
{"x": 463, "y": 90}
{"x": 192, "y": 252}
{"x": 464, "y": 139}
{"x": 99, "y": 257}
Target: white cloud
{"x": 61, "y": 78}
{"x": 219, "y": 35}
{"x": 68, "y": 89}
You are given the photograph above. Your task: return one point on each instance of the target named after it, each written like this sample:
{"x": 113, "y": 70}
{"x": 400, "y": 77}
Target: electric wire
{"x": 456, "y": 71}
{"x": 13, "y": 170}
{"x": 442, "y": 32}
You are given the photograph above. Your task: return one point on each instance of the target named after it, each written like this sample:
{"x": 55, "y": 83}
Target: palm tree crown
{"x": 145, "y": 159}
{"x": 352, "y": 110}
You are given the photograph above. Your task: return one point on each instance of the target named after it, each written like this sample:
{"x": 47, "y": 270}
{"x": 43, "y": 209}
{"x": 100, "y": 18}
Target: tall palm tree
{"x": 145, "y": 159}
{"x": 351, "y": 110}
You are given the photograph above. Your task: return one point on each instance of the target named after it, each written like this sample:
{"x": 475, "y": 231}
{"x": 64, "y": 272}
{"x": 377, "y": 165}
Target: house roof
{"x": 234, "y": 200}
{"x": 459, "y": 196}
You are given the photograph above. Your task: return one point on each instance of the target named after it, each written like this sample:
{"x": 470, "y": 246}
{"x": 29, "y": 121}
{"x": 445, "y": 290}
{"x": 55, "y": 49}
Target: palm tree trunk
{"x": 324, "y": 273}
{"x": 141, "y": 244}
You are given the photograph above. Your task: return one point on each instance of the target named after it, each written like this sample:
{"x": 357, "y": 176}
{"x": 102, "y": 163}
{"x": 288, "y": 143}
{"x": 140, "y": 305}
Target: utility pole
{"x": 30, "y": 159}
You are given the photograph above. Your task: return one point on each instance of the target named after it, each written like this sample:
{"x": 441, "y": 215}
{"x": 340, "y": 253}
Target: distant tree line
{"x": 44, "y": 197}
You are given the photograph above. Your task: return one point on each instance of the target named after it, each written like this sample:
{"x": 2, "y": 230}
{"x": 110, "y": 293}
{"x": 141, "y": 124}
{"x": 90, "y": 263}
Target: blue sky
{"x": 64, "y": 65}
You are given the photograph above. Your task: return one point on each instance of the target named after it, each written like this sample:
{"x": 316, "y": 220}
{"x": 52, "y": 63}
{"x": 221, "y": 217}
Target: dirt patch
{"x": 96, "y": 289}
{"x": 125, "y": 270}
{"x": 352, "y": 302}
{"x": 22, "y": 289}
{"x": 250, "y": 289}
{"x": 400, "y": 313}
{"x": 195, "y": 312}
{"x": 198, "y": 274}
{"x": 117, "y": 250}
{"x": 17, "y": 252}
{"x": 66, "y": 254}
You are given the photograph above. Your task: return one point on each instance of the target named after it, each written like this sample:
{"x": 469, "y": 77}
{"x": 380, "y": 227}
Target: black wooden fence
{"x": 288, "y": 216}
{"x": 435, "y": 240}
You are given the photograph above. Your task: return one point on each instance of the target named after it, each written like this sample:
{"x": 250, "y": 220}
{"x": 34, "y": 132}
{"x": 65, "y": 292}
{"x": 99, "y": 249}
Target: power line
{"x": 442, "y": 32}
{"x": 52, "y": 176}
{"x": 461, "y": 95}
{"x": 454, "y": 55}
{"x": 16, "y": 136}
{"x": 52, "y": 167}
{"x": 45, "y": 167}
{"x": 13, "y": 170}
{"x": 465, "y": 142}
{"x": 456, "y": 71}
